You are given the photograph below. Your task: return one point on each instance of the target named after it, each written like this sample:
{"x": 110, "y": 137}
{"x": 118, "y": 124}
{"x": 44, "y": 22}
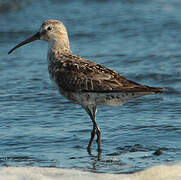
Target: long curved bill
{"x": 33, "y": 38}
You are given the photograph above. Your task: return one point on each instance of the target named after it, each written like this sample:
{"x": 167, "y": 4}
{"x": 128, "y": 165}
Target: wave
{"x": 161, "y": 172}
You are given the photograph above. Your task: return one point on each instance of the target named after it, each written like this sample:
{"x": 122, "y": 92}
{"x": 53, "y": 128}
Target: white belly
{"x": 104, "y": 99}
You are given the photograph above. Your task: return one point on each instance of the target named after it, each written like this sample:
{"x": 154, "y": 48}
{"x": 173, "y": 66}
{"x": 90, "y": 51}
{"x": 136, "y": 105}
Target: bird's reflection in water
{"x": 95, "y": 159}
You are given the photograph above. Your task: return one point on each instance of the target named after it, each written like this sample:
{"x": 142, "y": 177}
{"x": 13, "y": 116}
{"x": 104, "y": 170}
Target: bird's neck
{"x": 60, "y": 45}
{"x": 58, "y": 48}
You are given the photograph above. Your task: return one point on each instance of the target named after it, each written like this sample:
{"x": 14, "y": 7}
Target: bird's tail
{"x": 156, "y": 90}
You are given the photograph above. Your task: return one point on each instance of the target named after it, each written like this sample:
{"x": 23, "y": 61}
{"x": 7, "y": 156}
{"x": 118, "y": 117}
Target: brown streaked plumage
{"x": 82, "y": 81}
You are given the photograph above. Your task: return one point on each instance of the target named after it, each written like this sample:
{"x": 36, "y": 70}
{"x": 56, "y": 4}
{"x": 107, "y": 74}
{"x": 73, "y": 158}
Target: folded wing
{"x": 73, "y": 73}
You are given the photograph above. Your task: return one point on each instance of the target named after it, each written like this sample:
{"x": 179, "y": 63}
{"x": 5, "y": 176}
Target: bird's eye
{"x": 49, "y": 28}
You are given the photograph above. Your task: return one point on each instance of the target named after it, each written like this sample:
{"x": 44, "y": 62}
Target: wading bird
{"x": 82, "y": 81}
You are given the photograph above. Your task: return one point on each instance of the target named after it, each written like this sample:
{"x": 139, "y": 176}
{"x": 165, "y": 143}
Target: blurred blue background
{"x": 139, "y": 39}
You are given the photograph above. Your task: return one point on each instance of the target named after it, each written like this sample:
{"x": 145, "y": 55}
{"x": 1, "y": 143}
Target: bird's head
{"x": 52, "y": 31}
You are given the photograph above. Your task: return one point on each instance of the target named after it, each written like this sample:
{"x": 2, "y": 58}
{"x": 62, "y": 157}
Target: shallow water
{"x": 38, "y": 127}
{"x": 38, "y": 173}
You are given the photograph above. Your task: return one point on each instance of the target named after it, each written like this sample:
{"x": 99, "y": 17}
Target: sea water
{"x": 40, "y": 129}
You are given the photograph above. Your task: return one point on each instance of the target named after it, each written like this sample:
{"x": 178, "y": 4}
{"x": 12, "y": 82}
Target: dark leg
{"x": 95, "y": 129}
{"x": 93, "y": 133}
{"x": 98, "y": 132}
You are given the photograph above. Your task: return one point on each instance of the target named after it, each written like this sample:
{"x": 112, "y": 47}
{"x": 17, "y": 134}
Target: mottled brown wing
{"x": 74, "y": 73}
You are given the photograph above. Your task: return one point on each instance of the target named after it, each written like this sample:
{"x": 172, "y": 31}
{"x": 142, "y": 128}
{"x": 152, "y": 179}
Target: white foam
{"x": 161, "y": 172}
